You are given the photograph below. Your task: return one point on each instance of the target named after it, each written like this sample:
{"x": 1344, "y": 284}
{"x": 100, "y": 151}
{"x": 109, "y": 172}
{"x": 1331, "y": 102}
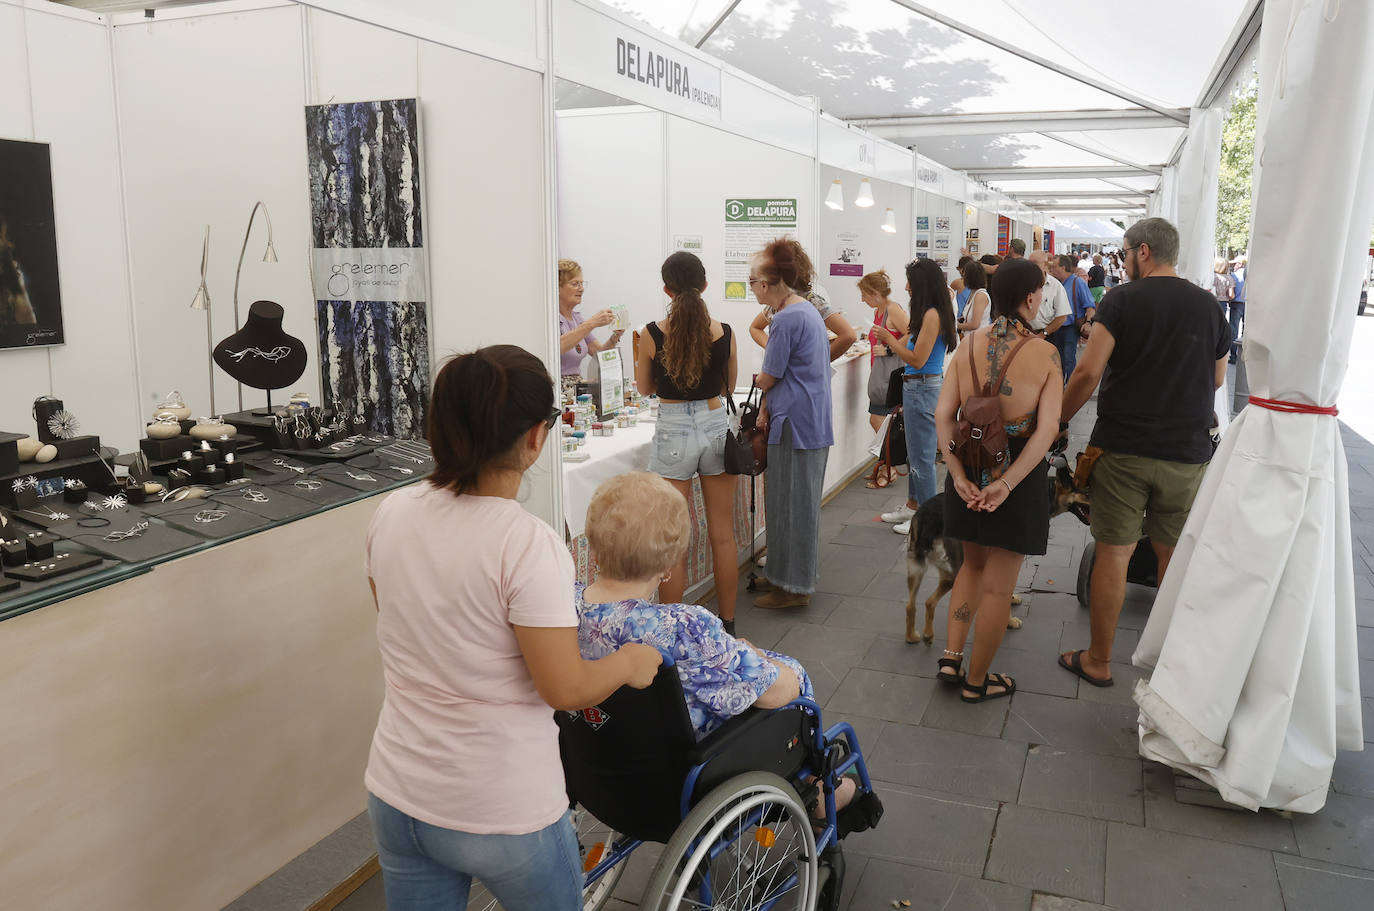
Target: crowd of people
{"x": 483, "y": 628}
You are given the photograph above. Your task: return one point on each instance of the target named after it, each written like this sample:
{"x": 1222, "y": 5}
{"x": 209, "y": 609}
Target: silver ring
{"x": 207, "y": 516}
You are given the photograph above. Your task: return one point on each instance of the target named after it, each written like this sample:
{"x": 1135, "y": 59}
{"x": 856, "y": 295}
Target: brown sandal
{"x": 881, "y": 477}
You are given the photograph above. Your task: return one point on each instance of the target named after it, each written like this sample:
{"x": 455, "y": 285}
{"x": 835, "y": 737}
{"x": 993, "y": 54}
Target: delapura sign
{"x": 600, "y": 50}
{"x": 761, "y": 211}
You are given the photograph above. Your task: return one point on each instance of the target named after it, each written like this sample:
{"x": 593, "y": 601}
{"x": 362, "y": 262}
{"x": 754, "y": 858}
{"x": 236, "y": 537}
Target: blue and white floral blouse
{"x": 721, "y": 676}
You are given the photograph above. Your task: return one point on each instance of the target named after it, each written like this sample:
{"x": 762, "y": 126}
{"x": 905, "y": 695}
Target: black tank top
{"x": 712, "y": 381}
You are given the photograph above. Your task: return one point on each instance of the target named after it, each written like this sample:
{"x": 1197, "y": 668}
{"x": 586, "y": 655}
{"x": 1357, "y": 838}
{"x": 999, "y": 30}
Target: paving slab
{"x": 929, "y": 829}
{"x": 1125, "y": 676}
{"x": 1073, "y": 724}
{"x": 949, "y": 761}
{"x": 1148, "y": 870}
{"x": 877, "y": 694}
{"x": 950, "y": 713}
{"x": 1163, "y": 812}
{"x": 1341, "y": 833}
{"x": 1354, "y": 774}
{"x": 1315, "y": 886}
{"x": 1042, "y": 902}
{"x": 931, "y": 890}
{"x": 1049, "y": 852}
{"x": 1103, "y": 787}
{"x": 874, "y": 613}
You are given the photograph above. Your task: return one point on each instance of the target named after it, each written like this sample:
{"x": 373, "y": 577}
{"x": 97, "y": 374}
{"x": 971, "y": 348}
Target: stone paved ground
{"x": 1042, "y": 802}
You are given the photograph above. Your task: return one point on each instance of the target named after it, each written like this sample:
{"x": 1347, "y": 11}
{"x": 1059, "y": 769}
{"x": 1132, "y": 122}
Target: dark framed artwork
{"x": 369, "y": 262}
{"x": 30, "y": 292}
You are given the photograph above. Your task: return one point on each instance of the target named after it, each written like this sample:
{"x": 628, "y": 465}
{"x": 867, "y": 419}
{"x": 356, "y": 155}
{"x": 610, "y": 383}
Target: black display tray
{"x": 71, "y": 562}
{"x": 326, "y": 454}
{"x": 280, "y": 503}
{"x": 236, "y": 522}
{"x": 156, "y": 541}
{"x": 356, "y": 478}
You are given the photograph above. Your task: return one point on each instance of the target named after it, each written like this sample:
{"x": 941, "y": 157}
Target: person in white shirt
{"x": 1054, "y": 309}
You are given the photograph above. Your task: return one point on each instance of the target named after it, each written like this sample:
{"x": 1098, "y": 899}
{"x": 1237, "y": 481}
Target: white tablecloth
{"x": 628, "y": 450}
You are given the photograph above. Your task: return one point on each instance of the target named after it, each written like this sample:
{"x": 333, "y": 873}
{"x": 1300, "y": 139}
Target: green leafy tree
{"x": 1237, "y": 169}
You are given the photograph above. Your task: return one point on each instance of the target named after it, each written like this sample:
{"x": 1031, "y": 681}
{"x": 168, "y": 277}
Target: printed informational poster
{"x": 942, "y": 223}
{"x": 848, "y": 255}
{"x": 922, "y": 222}
{"x": 610, "y": 382}
{"x": 749, "y": 225}
{"x": 689, "y": 242}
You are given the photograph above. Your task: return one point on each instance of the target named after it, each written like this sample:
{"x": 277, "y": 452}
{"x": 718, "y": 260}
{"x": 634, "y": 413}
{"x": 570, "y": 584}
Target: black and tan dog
{"x": 928, "y": 545}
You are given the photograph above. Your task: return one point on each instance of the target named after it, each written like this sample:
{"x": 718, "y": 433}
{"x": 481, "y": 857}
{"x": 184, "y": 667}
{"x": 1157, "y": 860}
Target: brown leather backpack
{"x": 980, "y": 437}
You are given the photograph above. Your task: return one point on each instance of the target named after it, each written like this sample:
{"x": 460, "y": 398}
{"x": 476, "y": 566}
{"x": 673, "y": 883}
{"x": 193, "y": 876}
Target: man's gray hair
{"x": 1161, "y": 236}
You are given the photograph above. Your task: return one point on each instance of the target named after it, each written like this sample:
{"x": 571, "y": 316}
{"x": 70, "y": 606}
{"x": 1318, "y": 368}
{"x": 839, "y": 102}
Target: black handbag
{"x": 894, "y": 388}
{"x": 894, "y": 447}
{"x": 746, "y": 450}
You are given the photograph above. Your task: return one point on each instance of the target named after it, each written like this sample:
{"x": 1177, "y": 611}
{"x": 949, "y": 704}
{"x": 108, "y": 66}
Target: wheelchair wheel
{"x": 594, "y": 841}
{"x": 748, "y": 845}
{"x": 1085, "y": 572}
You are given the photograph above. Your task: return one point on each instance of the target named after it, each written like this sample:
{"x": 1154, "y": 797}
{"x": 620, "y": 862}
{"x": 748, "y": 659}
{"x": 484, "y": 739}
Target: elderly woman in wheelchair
{"x": 723, "y": 758}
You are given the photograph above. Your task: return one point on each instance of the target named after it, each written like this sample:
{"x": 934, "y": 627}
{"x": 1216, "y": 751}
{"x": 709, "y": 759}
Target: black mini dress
{"x": 1021, "y": 524}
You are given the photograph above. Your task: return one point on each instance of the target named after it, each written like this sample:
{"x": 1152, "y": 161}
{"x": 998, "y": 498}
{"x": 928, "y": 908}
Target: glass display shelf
{"x": 277, "y": 490}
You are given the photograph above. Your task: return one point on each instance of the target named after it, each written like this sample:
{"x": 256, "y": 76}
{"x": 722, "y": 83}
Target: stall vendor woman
{"x": 576, "y": 340}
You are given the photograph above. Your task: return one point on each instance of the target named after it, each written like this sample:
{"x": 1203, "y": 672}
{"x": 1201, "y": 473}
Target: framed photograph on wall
{"x": 922, "y": 241}
{"x": 30, "y": 296}
{"x": 922, "y": 222}
{"x": 942, "y": 223}
{"x": 973, "y": 246}
{"x": 972, "y": 233}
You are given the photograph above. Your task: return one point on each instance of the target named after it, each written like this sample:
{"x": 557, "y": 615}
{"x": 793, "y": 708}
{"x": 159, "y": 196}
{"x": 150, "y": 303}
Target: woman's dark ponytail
{"x": 482, "y": 403}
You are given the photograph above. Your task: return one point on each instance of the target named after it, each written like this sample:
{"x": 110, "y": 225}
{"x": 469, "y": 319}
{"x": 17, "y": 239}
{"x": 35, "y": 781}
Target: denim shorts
{"x": 689, "y": 440}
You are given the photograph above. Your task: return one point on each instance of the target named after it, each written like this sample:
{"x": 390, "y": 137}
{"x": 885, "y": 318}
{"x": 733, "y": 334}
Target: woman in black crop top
{"x": 688, "y": 361}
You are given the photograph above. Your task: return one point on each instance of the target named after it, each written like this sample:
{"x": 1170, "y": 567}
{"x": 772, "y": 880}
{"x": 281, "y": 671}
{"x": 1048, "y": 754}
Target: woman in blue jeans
{"x": 932, "y": 334}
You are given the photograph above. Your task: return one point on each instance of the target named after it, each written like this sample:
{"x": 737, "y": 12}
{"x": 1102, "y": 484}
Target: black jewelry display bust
{"x": 261, "y": 354}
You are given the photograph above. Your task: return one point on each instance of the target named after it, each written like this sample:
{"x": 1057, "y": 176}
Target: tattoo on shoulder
{"x": 1054, "y": 358}
{"x": 962, "y": 614}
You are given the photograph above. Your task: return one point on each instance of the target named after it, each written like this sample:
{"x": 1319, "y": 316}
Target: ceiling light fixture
{"x": 865, "y": 197}
{"x": 835, "y": 198}
{"x": 890, "y": 222}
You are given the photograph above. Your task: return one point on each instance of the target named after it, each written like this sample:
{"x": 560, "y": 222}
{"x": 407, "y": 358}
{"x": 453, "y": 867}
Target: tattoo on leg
{"x": 962, "y": 614}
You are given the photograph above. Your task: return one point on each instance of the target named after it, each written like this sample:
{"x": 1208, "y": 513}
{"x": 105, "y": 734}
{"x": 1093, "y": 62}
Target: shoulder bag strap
{"x": 724, "y": 372}
{"x": 973, "y": 366}
{"x": 1002, "y": 371}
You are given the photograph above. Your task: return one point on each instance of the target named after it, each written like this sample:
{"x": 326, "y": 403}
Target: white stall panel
{"x": 611, "y": 217}
{"x": 73, "y": 109}
{"x": 340, "y": 74}
{"x": 508, "y": 30}
{"x": 204, "y": 138}
{"x": 707, "y": 166}
{"x": 25, "y": 372}
{"x": 852, "y": 239}
{"x": 767, "y": 115}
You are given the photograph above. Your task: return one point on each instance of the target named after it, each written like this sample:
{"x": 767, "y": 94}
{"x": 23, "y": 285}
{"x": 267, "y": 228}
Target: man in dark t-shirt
{"x": 1159, "y": 345}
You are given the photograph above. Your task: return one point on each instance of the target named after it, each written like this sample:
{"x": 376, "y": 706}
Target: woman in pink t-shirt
{"x": 478, "y": 636}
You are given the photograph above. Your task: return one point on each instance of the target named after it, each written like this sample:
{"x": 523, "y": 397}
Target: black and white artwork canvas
{"x": 369, "y": 263}
{"x": 374, "y": 359}
{"x": 30, "y": 296}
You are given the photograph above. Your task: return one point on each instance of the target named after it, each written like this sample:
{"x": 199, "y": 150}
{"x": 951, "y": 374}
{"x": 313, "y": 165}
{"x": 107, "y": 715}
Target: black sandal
{"x": 953, "y": 660}
{"x": 1008, "y": 687}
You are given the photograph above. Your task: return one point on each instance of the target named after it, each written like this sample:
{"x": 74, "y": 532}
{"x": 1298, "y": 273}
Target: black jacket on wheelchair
{"x": 634, "y": 761}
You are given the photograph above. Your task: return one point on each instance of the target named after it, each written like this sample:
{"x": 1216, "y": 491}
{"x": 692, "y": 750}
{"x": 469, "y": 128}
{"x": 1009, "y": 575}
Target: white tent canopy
{"x": 1083, "y": 229}
{"x": 990, "y": 87}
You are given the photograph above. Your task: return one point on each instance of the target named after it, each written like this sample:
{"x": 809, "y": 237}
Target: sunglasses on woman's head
{"x": 553, "y": 418}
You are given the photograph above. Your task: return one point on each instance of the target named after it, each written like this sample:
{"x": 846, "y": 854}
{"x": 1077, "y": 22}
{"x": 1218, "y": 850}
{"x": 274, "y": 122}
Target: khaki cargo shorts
{"x": 1131, "y": 495}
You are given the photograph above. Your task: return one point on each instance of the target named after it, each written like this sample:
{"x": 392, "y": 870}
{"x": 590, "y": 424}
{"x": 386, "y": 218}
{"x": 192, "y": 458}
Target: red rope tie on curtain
{"x": 1293, "y": 407}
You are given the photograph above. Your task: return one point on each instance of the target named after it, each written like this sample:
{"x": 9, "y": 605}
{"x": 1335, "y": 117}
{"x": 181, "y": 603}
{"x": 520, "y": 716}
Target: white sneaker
{"x": 900, "y": 514}
{"x": 903, "y": 528}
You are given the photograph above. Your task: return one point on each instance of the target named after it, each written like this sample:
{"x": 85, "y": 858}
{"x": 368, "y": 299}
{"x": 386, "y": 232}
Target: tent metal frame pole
{"x": 1123, "y": 94}
{"x": 1076, "y": 194}
{"x": 1069, "y": 172}
{"x": 982, "y": 124}
{"x": 1153, "y": 169}
{"x": 717, "y": 22}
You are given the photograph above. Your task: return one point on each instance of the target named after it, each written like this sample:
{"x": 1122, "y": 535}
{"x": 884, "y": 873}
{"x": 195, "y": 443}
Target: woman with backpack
{"x": 689, "y": 361}
{"x": 997, "y": 416}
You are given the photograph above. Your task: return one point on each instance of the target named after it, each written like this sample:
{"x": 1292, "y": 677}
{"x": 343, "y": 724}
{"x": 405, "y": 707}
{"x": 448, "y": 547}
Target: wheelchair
{"x": 732, "y": 811}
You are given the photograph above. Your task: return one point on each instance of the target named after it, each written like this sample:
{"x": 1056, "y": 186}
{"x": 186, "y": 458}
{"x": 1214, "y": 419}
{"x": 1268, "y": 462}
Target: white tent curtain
{"x": 1164, "y": 202}
{"x": 1252, "y": 641}
{"x": 1195, "y": 193}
